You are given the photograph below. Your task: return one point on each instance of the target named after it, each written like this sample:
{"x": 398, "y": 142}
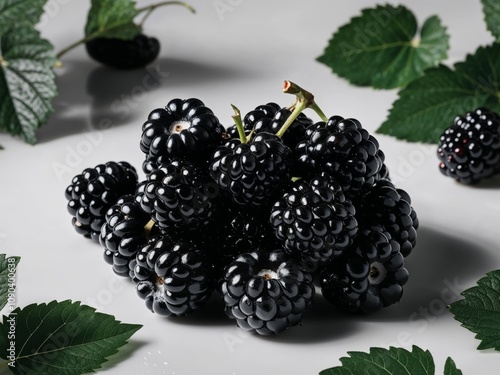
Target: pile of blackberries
{"x": 263, "y": 212}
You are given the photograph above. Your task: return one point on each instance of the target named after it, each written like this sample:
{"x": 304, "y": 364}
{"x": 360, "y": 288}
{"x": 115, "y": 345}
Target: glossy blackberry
{"x": 270, "y": 118}
{"x": 183, "y": 129}
{"x": 391, "y": 208}
{"x": 252, "y": 173}
{"x": 368, "y": 276}
{"x": 125, "y": 231}
{"x": 124, "y": 54}
{"x": 175, "y": 278}
{"x": 94, "y": 191}
{"x": 343, "y": 149}
{"x": 239, "y": 231}
{"x": 262, "y": 111}
{"x": 315, "y": 220}
{"x": 180, "y": 197}
{"x": 469, "y": 150}
{"x": 266, "y": 291}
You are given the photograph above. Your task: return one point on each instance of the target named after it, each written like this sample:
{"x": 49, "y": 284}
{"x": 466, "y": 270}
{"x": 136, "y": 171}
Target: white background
{"x": 241, "y": 56}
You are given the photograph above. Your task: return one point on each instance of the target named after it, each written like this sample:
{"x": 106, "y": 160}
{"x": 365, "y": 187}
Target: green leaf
{"x": 12, "y": 11}
{"x": 8, "y": 268}
{"x": 381, "y": 47}
{"x": 61, "y": 338}
{"x": 27, "y": 83}
{"x": 112, "y": 19}
{"x": 479, "y": 311}
{"x": 392, "y": 361}
{"x": 450, "y": 368}
{"x": 491, "y": 10}
{"x": 428, "y": 105}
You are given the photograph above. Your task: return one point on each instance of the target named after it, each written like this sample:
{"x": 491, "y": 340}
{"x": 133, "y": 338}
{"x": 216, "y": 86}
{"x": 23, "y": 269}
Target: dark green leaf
{"x": 479, "y": 311}
{"x": 381, "y": 47}
{"x": 12, "y": 12}
{"x": 8, "y": 280}
{"x": 450, "y": 368}
{"x": 392, "y": 361}
{"x": 491, "y": 10}
{"x": 112, "y": 19}
{"x": 27, "y": 84}
{"x": 61, "y": 338}
{"x": 428, "y": 105}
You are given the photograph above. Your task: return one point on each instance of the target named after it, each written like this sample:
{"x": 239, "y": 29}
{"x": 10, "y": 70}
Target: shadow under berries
{"x": 70, "y": 113}
{"x": 211, "y": 314}
{"x": 441, "y": 267}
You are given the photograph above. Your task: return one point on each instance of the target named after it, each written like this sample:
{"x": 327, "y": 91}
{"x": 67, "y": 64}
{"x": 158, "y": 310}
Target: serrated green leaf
{"x": 27, "y": 82}
{"x": 479, "y": 311}
{"x": 8, "y": 266}
{"x": 450, "y": 368}
{"x": 428, "y": 105}
{"x": 61, "y": 338}
{"x": 381, "y": 48}
{"x": 392, "y": 361}
{"x": 12, "y": 12}
{"x": 491, "y": 10}
{"x": 112, "y": 19}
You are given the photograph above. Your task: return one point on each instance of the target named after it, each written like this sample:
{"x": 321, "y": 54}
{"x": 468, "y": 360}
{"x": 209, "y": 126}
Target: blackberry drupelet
{"x": 174, "y": 277}
{"x": 343, "y": 149}
{"x": 124, "y": 54}
{"x": 94, "y": 191}
{"x": 266, "y": 291}
{"x": 315, "y": 220}
{"x": 180, "y": 197}
{"x": 391, "y": 208}
{"x": 183, "y": 129}
{"x": 252, "y": 173}
{"x": 469, "y": 150}
{"x": 369, "y": 276}
{"x": 125, "y": 231}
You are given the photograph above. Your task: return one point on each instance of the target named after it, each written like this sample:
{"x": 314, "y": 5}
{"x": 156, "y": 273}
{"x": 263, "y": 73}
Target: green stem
{"x": 304, "y": 95}
{"x": 304, "y": 99}
{"x": 148, "y": 9}
{"x": 299, "y": 106}
{"x": 76, "y": 44}
{"x": 239, "y": 124}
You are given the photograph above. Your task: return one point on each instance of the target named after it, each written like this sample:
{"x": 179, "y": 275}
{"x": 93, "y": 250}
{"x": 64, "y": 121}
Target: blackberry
{"x": 239, "y": 231}
{"x": 252, "y": 173}
{"x": 180, "y": 197}
{"x": 124, "y": 54}
{"x": 391, "y": 208}
{"x": 266, "y": 291}
{"x": 315, "y": 220}
{"x": 343, "y": 149}
{"x": 125, "y": 232}
{"x": 174, "y": 277}
{"x": 94, "y": 191}
{"x": 469, "y": 150}
{"x": 262, "y": 111}
{"x": 183, "y": 129}
{"x": 368, "y": 276}
{"x": 270, "y": 118}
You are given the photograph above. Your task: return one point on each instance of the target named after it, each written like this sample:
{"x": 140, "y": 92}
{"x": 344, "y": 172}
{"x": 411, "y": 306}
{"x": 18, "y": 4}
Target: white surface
{"x": 241, "y": 57}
